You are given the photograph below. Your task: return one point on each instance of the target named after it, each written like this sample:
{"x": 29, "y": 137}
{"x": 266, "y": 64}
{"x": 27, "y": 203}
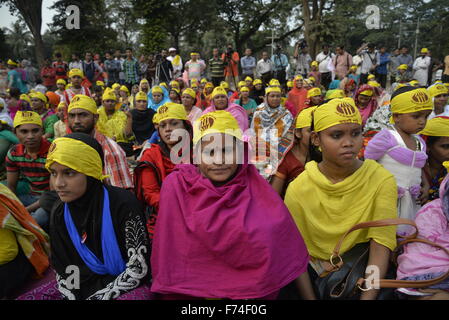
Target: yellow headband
{"x": 124, "y": 88}
{"x": 241, "y": 84}
{"x": 156, "y": 118}
{"x": 414, "y": 83}
{"x": 109, "y": 95}
{"x": 115, "y": 86}
{"x": 171, "y": 110}
{"x": 140, "y": 96}
{"x": 25, "y": 97}
{"x": 216, "y": 122}
{"x": 209, "y": 85}
{"x": 61, "y": 105}
{"x": 257, "y": 81}
{"x": 175, "y": 90}
{"x": 371, "y": 76}
{"x": 298, "y": 77}
{"x": 424, "y": 50}
{"x": 289, "y": 84}
{"x": 437, "y": 127}
{"x": 12, "y": 63}
{"x": 374, "y": 84}
{"x": 313, "y": 92}
{"x": 272, "y": 89}
{"x": 353, "y": 67}
{"x": 83, "y": 102}
{"x": 248, "y": 78}
{"x": 314, "y": 64}
{"x": 194, "y": 54}
{"x": 76, "y": 72}
{"x": 403, "y": 67}
{"x": 274, "y": 82}
{"x": 157, "y": 89}
{"x": 304, "y": 118}
{"x": 336, "y": 111}
{"x": 163, "y": 84}
{"x": 144, "y": 81}
{"x": 100, "y": 83}
{"x": 368, "y": 93}
{"x": 224, "y": 85}
{"x": 61, "y": 81}
{"x": 312, "y": 79}
{"x": 244, "y": 89}
{"x": 437, "y": 89}
{"x": 204, "y": 80}
{"x": 219, "y": 91}
{"x": 39, "y": 95}
{"x": 67, "y": 151}
{"x": 174, "y": 83}
{"x": 335, "y": 94}
{"x": 190, "y": 92}
{"x": 411, "y": 101}
{"x": 27, "y": 117}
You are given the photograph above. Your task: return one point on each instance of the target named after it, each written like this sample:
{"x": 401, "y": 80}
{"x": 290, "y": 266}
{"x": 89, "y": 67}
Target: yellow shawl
{"x": 323, "y": 211}
{"x": 113, "y": 126}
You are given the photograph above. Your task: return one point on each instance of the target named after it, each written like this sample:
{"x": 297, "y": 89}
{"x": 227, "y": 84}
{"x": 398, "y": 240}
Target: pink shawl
{"x": 237, "y": 241}
{"x": 237, "y": 112}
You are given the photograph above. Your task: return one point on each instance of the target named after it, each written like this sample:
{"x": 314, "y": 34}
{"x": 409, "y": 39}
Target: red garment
{"x": 297, "y": 98}
{"x": 289, "y": 168}
{"x": 61, "y": 68}
{"x": 150, "y": 185}
{"x": 48, "y": 74}
{"x": 232, "y": 69}
{"x": 234, "y": 97}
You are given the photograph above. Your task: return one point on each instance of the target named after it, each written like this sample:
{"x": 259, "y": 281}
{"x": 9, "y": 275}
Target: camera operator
{"x": 231, "y": 59}
{"x": 280, "y": 62}
{"x": 303, "y": 59}
{"x": 164, "y": 68}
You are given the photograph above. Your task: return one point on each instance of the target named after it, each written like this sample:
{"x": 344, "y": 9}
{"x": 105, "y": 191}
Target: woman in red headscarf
{"x": 297, "y": 97}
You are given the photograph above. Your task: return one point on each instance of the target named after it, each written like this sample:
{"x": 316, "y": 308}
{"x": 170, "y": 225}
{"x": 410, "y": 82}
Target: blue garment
{"x": 280, "y": 63}
{"x": 355, "y": 77}
{"x": 248, "y": 65}
{"x": 384, "y": 61}
{"x": 112, "y": 257}
{"x": 334, "y": 85}
{"x": 154, "y": 137}
{"x": 17, "y": 82}
{"x": 155, "y": 106}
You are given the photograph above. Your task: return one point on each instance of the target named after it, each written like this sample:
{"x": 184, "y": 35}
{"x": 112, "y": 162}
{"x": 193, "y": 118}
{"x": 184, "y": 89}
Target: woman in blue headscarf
{"x": 158, "y": 96}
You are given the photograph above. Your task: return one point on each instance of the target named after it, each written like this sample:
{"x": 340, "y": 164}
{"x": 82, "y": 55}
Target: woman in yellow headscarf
{"x": 331, "y": 196}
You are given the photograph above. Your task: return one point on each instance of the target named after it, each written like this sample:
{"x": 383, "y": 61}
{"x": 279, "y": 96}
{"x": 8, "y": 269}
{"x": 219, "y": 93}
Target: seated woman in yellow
{"x": 115, "y": 124}
{"x": 331, "y": 196}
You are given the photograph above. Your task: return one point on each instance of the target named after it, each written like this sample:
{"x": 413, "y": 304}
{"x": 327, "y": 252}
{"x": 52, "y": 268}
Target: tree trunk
{"x": 31, "y": 11}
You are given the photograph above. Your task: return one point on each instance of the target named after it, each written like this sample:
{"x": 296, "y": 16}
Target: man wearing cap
{"x": 248, "y": 63}
{"x": 82, "y": 117}
{"x": 421, "y": 67}
{"x": 439, "y": 94}
{"x": 176, "y": 62}
{"x": 27, "y": 160}
{"x": 76, "y": 78}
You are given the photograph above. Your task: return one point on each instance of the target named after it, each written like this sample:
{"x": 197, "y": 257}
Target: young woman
{"x": 94, "y": 226}
{"x": 220, "y": 101}
{"x": 175, "y": 96}
{"x": 246, "y": 102}
{"x": 271, "y": 118}
{"x": 365, "y": 101}
{"x": 436, "y": 135}
{"x": 188, "y": 99}
{"x": 297, "y": 96}
{"x": 297, "y": 155}
{"x": 214, "y": 237}
{"x": 402, "y": 152}
{"x": 258, "y": 92}
{"x": 170, "y": 117}
{"x": 331, "y": 196}
{"x": 142, "y": 116}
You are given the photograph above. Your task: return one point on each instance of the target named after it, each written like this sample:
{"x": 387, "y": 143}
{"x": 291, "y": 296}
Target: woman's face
{"x": 363, "y": 101}
{"x": 209, "y": 90}
{"x": 220, "y": 102}
{"x": 219, "y": 157}
{"x": 299, "y": 83}
{"x": 258, "y": 86}
{"x": 109, "y": 105}
{"x": 340, "y": 144}
{"x": 157, "y": 97}
{"x": 69, "y": 184}
{"x": 173, "y": 96}
{"x": 316, "y": 100}
{"x": 187, "y": 100}
{"x": 439, "y": 151}
{"x": 303, "y": 135}
{"x": 123, "y": 94}
{"x": 244, "y": 94}
{"x": 166, "y": 127}
{"x": 274, "y": 99}
{"x": 36, "y": 104}
{"x": 141, "y": 104}
{"x": 135, "y": 89}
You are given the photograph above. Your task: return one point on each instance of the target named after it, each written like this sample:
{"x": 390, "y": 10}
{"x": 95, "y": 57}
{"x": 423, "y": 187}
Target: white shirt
{"x": 323, "y": 60}
{"x": 369, "y": 60}
{"x": 264, "y": 66}
{"x": 444, "y": 114}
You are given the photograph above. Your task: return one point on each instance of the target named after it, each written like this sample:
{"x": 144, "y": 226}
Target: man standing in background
{"x": 324, "y": 58}
{"x": 303, "y": 60}
{"x": 342, "y": 62}
{"x": 370, "y": 61}
{"x": 265, "y": 68}
{"x": 248, "y": 63}
{"x": 176, "y": 62}
{"x": 405, "y": 58}
{"x": 216, "y": 68}
{"x": 113, "y": 68}
{"x": 280, "y": 62}
{"x": 393, "y": 66}
{"x": 231, "y": 59}
{"x": 382, "y": 68}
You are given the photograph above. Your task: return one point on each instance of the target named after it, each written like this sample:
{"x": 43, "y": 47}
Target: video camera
{"x": 302, "y": 43}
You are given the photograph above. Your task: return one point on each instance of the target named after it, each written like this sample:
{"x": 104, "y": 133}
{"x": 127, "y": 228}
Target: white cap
{"x": 171, "y": 49}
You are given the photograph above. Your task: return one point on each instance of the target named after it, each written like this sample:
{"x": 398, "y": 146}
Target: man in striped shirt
{"x": 27, "y": 160}
{"x": 82, "y": 117}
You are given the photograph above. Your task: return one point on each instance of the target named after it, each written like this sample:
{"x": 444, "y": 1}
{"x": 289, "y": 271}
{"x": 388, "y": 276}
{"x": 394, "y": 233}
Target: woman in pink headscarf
{"x": 365, "y": 101}
{"x": 222, "y": 231}
{"x": 220, "y": 101}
